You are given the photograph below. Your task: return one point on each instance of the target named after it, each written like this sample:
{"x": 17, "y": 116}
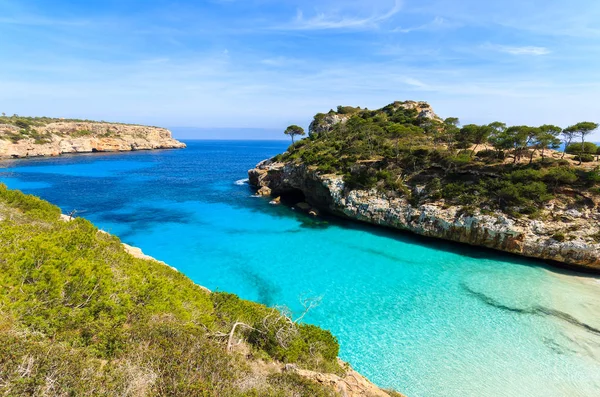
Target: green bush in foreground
{"x": 80, "y": 316}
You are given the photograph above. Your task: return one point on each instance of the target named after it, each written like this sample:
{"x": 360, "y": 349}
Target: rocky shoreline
{"x": 67, "y": 137}
{"x": 538, "y": 239}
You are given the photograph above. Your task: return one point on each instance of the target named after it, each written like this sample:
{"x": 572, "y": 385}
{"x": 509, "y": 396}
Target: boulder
{"x": 264, "y": 191}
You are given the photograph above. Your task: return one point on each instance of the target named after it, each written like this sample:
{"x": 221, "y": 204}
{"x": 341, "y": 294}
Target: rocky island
{"x": 493, "y": 186}
{"x": 42, "y": 136}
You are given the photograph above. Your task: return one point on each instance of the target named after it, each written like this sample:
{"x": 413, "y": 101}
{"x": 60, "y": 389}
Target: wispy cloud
{"x": 519, "y": 50}
{"x": 438, "y": 23}
{"x": 34, "y": 20}
{"x": 325, "y": 21}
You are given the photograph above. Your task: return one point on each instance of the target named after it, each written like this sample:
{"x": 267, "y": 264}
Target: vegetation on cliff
{"x": 80, "y": 316}
{"x": 404, "y": 149}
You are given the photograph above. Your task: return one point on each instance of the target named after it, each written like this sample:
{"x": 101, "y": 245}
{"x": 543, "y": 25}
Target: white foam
{"x": 242, "y": 182}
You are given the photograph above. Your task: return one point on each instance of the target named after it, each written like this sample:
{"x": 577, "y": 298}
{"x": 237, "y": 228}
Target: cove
{"x": 425, "y": 317}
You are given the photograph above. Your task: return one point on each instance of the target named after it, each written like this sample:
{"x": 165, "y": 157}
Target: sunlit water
{"x": 426, "y": 317}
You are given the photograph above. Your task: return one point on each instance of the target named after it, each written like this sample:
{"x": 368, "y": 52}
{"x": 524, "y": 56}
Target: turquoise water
{"x": 428, "y": 318}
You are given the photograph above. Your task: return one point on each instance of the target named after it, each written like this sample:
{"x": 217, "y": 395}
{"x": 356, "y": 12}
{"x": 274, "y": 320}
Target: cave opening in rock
{"x": 292, "y": 197}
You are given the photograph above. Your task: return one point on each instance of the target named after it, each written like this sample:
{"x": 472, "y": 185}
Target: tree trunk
{"x": 567, "y": 143}
{"x": 531, "y": 157}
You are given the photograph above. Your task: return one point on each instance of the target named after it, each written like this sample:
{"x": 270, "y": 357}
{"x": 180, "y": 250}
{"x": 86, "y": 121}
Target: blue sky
{"x": 269, "y": 63}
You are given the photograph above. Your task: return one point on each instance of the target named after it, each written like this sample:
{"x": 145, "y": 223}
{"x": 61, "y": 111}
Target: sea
{"x": 425, "y": 317}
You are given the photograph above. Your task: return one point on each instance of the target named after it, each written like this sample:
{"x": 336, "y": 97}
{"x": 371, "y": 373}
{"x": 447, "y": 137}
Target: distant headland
{"x": 43, "y": 136}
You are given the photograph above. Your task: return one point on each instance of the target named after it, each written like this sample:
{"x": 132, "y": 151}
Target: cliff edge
{"x": 36, "y": 137}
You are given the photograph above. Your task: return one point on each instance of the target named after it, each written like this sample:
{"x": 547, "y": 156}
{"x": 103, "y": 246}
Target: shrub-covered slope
{"x": 80, "y": 316}
{"x": 406, "y": 152}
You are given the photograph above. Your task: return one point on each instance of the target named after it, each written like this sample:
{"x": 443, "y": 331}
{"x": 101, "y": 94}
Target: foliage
{"x": 80, "y": 316}
{"x": 586, "y": 148}
{"x": 294, "y": 130}
{"x": 396, "y": 151}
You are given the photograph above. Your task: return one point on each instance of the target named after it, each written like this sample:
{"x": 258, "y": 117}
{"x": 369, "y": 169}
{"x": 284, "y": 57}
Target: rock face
{"x": 352, "y": 384}
{"x": 59, "y": 138}
{"x": 578, "y": 247}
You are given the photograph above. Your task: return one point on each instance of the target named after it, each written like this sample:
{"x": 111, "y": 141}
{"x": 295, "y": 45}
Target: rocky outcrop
{"x": 567, "y": 236}
{"x": 351, "y": 384}
{"x": 324, "y": 122}
{"x": 59, "y": 138}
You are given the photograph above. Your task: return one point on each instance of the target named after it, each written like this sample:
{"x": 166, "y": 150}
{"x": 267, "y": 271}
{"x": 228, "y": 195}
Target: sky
{"x": 247, "y": 68}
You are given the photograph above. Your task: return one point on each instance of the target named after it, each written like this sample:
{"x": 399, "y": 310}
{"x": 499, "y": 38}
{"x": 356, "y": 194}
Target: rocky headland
{"x": 54, "y": 137}
{"x": 441, "y": 197}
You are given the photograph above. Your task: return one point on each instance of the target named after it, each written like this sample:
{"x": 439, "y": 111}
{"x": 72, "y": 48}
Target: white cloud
{"x": 520, "y": 50}
{"x": 438, "y": 23}
{"x": 323, "y": 21}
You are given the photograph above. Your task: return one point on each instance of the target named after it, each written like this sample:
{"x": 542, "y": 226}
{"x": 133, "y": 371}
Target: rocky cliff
{"x": 542, "y": 239}
{"x": 60, "y": 137}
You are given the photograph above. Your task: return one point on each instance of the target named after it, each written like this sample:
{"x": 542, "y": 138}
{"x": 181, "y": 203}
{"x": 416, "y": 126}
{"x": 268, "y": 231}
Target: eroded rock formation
{"x": 523, "y": 236}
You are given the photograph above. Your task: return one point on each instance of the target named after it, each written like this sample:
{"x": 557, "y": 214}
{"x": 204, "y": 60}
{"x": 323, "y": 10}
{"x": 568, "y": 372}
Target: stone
{"x": 264, "y": 191}
{"x": 313, "y": 212}
{"x": 275, "y": 201}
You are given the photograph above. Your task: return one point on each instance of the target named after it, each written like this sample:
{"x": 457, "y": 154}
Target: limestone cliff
{"x": 61, "y": 137}
{"x": 523, "y": 236}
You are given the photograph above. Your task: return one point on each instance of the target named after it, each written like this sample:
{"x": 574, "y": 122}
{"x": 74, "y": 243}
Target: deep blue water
{"x": 426, "y": 317}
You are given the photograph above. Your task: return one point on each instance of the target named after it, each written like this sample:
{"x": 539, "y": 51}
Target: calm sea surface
{"x": 428, "y": 318}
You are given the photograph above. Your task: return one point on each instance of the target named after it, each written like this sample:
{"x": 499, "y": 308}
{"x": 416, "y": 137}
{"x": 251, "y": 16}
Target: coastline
{"x": 58, "y": 138}
{"x": 498, "y": 231}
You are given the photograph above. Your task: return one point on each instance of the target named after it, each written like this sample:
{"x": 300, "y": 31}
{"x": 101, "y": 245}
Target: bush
{"x": 588, "y": 148}
{"x": 586, "y": 158}
{"x": 560, "y": 176}
{"x": 593, "y": 177}
{"x": 525, "y": 175}
{"x": 491, "y": 154}
{"x": 22, "y": 123}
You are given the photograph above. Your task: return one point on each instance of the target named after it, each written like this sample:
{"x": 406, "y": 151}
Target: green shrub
{"x": 22, "y": 123}
{"x": 560, "y": 176}
{"x": 588, "y": 148}
{"x": 586, "y": 158}
{"x": 525, "y": 175}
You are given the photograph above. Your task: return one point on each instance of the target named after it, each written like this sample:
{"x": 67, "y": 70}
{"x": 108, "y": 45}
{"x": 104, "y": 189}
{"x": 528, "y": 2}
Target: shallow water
{"x": 426, "y": 317}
